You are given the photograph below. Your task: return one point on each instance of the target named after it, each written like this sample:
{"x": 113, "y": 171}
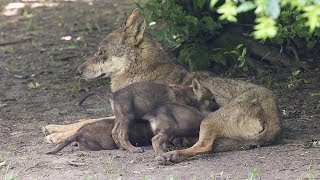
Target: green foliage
{"x": 190, "y": 25}
{"x": 199, "y": 57}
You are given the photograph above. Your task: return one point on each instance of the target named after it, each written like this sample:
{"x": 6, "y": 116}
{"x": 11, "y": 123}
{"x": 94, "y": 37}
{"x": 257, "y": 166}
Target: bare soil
{"x": 40, "y": 48}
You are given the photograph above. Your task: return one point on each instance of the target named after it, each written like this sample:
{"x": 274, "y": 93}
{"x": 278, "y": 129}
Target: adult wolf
{"x": 247, "y": 116}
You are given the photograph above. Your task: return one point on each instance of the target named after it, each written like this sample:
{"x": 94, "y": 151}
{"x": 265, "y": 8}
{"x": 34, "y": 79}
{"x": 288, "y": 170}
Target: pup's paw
{"x": 137, "y": 150}
{"x": 168, "y": 158}
{"x": 55, "y": 138}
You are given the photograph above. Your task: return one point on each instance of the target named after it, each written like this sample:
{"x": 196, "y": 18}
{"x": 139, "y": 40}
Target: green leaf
{"x": 313, "y": 94}
{"x": 311, "y": 43}
{"x": 33, "y": 85}
{"x": 213, "y": 3}
{"x": 295, "y": 72}
{"x": 207, "y": 24}
{"x": 246, "y": 6}
{"x": 312, "y": 13}
{"x": 228, "y": 11}
{"x": 265, "y": 28}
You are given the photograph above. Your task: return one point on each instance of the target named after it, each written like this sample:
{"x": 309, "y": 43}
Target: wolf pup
{"x": 136, "y": 100}
{"x": 173, "y": 122}
{"x": 97, "y": 136}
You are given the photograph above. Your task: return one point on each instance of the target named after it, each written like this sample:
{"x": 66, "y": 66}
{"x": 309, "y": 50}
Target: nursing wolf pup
{"x": 130, "y": 104}
{"x": 97, "y": 136}
{"x": 247, "y": 115}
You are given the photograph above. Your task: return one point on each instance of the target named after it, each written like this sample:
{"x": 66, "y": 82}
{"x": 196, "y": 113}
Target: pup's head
{"x": 195, "y": 95}
{"x": 204, "y": 96}
{"x": 114, "y": 54}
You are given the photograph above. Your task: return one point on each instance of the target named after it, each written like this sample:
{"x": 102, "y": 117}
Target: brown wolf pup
{"x": 97, "y": 136}
{"x": 247, "y": 116}
{"x": 173, "y": 122}
{"x": 132, "y": 103}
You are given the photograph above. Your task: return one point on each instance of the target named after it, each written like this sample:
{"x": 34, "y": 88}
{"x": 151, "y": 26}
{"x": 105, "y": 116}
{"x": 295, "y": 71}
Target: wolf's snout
{"x": 79, "y": 71}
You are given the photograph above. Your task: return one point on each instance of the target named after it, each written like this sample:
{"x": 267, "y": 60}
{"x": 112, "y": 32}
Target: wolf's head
{"x": 115, "y": 51}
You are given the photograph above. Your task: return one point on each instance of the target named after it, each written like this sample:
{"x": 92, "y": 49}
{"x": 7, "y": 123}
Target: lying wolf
{"x": 247, "y": 116}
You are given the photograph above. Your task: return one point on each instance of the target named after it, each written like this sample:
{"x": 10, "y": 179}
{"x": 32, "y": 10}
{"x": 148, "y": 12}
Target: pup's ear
{"x": 135, "y": 27}
{"x": 197, "y": 88}
{"x": 201, "y": 92}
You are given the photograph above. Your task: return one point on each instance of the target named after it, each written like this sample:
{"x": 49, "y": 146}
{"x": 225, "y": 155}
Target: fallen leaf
{"x": 3, "y": 163}
{"x": 33, "y": 85}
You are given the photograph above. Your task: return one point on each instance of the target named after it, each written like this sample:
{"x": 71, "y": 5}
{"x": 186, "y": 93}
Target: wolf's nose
{"x": 79, "y": 71}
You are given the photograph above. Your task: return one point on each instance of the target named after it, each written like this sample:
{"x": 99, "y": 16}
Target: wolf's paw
{"x": 168, "y": 158}
{"x": 55, "y": 138}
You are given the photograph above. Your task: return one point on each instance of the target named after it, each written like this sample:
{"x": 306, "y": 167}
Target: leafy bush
{"x": 191, "y": 25}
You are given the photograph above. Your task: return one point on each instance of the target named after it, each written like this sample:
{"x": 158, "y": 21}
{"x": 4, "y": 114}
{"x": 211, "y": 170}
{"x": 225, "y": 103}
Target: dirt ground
{"x": 41, "y": 45}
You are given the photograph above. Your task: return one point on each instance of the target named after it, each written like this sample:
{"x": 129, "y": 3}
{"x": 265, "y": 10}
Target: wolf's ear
{"x": 135, "y": 27}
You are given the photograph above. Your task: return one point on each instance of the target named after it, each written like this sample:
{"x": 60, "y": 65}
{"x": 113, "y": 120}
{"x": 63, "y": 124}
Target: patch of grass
{"x": 254, "y": 174}
{"x": 144, "y": 178}
{"x": 10, "y": 175}
{"x": 107, "y": 167}
{"x": 173, "y": 177}
{"x": 76, "y": 85}
{"x": 31, "y": 25}
{"x": 10, "y": 50}
{"x": 313, "y": 94}
{"x": 25, "y": 12}
{"x": 310, "y": 174}
{"x": 72, "y": 46}
{"x": 294, "y": 79}
{"x": 91, "y": 177}
{"x": 35, "y": 44}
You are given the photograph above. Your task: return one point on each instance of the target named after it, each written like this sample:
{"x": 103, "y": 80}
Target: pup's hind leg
{"x": 115, "y": 135}
{"x": 158, "y": 143}
{"x": 123, "y": 136}
{"x": 208, "y": 133}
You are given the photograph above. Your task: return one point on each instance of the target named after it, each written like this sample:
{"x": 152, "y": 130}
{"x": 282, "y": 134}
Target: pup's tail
{"x": 97, "y": 93}
{"x": 64, "y": 144}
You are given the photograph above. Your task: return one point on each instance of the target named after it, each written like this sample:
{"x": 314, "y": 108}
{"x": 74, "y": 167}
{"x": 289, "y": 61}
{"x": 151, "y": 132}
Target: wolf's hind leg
{"x": 60, "y": 133}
